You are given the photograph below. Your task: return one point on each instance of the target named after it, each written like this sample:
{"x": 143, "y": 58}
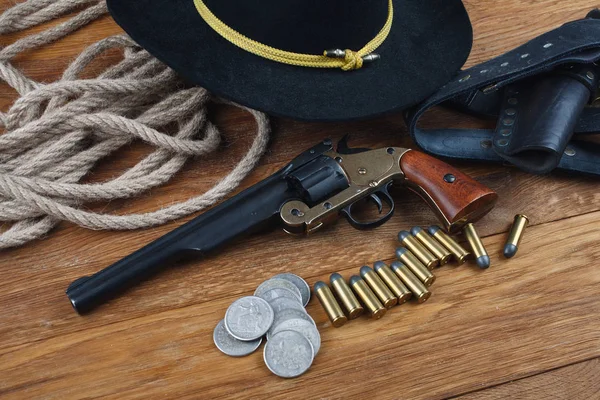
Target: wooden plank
{"x": 156, "y": 339}
{"x": 577, "y": 381}
{"x": 480, "y": 328}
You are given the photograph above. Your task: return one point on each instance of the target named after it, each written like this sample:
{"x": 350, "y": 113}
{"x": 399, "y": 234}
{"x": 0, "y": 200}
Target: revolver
{"x": 303, "y": 197}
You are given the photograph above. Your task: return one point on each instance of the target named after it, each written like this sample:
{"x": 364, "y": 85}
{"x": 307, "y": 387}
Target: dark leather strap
{"x": 488, "y": 89}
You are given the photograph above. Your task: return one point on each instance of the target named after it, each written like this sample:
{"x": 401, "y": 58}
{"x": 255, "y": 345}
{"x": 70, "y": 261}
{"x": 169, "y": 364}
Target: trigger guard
{"x": 382, "y": 194}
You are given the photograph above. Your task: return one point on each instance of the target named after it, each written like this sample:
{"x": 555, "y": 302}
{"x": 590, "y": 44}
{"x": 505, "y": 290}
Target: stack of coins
{"x": 277, "y": 311}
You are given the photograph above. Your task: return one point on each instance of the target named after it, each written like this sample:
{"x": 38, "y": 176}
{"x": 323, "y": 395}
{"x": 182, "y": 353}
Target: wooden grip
{"x": 456, "y": 198}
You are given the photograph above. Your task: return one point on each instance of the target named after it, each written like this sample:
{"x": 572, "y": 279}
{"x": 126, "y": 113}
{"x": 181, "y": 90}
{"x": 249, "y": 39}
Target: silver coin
{"x": 299, "y": 283}
{"x": 301, "y": 326}
{"x": 281, "y": 303}
{"x": 274, "y": 293}
{"x": 249, "y": 318}
{"x": 289, "y": 314}
{"x": 288, "y": 354}
{"x": 230, "y": 345}
{"x": 277, "y": 283}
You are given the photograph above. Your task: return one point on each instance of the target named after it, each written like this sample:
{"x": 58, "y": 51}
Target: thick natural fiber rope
{"x": 55, "y": 133}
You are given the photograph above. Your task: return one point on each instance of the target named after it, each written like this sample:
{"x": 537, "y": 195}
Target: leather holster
{"x": 541, "y": 95}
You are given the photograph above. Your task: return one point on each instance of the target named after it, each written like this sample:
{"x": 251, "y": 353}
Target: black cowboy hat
{"x": 427, "y": 44}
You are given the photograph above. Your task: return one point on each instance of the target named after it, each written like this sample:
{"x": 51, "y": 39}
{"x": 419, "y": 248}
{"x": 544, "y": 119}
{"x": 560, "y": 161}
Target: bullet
{"x": 516, "y": 233}
{"x": 393, "y": 282}
{"x": 379, "y": 288}
{"x": 415, "y": 266}
{"x": 481, "y": 255}
{"x": 460, "y": 253}
{"x": 343, "y": 292}
{"x": 368, "y": 298}
{"x": 412, "y": 244}
{"x": 439, "y": 251}
{"x": 331, "y": 306}
{"x": 417, "y": 288}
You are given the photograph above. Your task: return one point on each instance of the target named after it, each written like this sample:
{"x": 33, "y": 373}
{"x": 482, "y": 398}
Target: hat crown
{"x": 304, "y": 26}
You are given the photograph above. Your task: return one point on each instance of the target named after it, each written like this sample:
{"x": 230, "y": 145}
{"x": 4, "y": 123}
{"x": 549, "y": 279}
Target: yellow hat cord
{"x": 345, "y": 59}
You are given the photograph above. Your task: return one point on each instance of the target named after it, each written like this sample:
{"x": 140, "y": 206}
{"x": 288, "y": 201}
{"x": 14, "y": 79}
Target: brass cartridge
{"x": 439, "y": 251}
{"x": 481, "y": 255}
{"x": 516, "y": 233}
{"x": 393, "y": 282}
{"x": 331, "y": 306}
{"x": 460, "y": 253}
{"x": 420, "y": 292}
{"x": 412, "y": 244}
{"x": 379, "y": 288}
{"x": 345, "y": 295}
{"x": 368, "y": 298}
{"x": 416, "y": 267}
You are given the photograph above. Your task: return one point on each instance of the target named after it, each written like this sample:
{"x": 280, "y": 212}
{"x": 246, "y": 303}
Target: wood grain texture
{"x": 577, "y": 381}
{"x": 537, "y": 312}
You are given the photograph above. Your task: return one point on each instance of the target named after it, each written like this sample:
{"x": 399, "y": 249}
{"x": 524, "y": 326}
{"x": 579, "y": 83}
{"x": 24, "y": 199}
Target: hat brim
{"x": 428, "y": 43}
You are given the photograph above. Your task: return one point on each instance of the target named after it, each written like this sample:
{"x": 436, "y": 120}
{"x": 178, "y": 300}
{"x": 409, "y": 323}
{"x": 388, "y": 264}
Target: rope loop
{"x": 55, "y": 133}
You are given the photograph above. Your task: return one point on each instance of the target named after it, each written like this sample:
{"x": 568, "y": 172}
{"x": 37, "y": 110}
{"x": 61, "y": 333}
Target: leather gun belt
{"x": 541, "y": 94}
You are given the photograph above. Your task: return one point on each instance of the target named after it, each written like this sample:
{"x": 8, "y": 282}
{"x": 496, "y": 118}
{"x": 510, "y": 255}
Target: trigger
{"x": 373, "y": 197}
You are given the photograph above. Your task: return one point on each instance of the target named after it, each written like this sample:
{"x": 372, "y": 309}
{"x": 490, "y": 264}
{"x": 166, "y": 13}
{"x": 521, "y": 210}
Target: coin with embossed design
{"x": 277, "y": 283}
{"x": 288, "y": 354}
{"x": 299, "y": 283}
{"x": 281, "y": 303}
{"x": 248, "y": 318}
{"x": 274, "y": 293}
{"x": 284, "y": 315}
{"x": 306, "y": 328}
{"x": 230, "y": 345}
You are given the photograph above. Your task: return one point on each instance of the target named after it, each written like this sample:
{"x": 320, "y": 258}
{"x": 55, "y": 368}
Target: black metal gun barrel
{"x": 254, "y": 209}
{"x": 247, "y": 212}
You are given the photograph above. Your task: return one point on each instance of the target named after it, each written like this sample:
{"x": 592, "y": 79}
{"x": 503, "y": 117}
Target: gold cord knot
{"x": 352, "y": 61}
{"x": 346, "y": 60}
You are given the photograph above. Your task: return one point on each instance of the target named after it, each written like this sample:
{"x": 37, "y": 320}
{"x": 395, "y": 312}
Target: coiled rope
{"x": 55, "y": 133}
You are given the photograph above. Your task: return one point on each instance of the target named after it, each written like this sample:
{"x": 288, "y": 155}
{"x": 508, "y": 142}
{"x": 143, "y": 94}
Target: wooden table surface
{"x": 526, "y": 328}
